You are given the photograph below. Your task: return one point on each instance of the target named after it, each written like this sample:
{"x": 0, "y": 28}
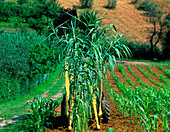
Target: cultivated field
{"x": 138, "y": 93}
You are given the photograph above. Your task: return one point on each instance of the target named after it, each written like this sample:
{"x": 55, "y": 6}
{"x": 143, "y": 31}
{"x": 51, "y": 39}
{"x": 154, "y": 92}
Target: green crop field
{"x": 144, "y": 95}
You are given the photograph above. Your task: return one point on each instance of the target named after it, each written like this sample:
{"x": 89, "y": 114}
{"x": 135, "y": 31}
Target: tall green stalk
{"x": 88, "y": 52}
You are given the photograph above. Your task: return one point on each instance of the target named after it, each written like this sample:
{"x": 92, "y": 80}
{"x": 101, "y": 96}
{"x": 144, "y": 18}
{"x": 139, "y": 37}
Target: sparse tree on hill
{"x": 156, "y": 18}
{"x": 166, "y": 41}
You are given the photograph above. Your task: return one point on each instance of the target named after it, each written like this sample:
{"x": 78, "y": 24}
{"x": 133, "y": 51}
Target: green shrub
{"x": 142, "y": 51}
{"x": 149, "y": 7}
{"x": 111, "y": 4}
{"x": 8, "y": 10}
{"x": 21, "y": 2}
{"x": 23, "y": 59}
{"x": 86, "y": 3}
{"x": 40, "y": 14}
{"x": 2, "y": 1}
{"x": 41, "y": 113}
{"x": 167, "y": 20}
{"x": 43, "y": 59}
{"x": 166, "y": 45}
{"x": 135, "y": 1}
{"x": 9, "y": 88}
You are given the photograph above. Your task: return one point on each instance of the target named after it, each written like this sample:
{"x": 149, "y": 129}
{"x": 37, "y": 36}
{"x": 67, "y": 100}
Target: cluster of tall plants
{"x": 85, "y": 53}
{"x": 40, "y": 116}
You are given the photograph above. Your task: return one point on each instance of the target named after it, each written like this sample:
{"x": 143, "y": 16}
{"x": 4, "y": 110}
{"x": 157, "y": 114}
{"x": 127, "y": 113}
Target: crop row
{"x": 163, "y": 78}
{"x": 149, "y": 104}
{"x": 167, "y": 71}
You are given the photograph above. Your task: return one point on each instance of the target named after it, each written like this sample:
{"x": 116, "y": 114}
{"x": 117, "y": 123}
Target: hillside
{"x": 131, "y": 22}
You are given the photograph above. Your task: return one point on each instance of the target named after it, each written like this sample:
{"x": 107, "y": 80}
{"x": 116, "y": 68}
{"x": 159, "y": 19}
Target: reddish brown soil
{"x": 130, "y": 76}
{"x": 160, "y": 72}
{"x": 153, "y": 77}
{"x": 143, "y": 78}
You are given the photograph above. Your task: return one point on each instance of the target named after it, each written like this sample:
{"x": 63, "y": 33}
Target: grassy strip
{"x": 16, "y": 107}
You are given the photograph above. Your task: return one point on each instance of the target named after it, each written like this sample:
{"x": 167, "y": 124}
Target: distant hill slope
{"x": 132, "y": 22}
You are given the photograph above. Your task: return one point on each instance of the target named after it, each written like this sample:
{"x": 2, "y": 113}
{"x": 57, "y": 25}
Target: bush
{"x": 111, "y": 4}
{"x": 37, "y": 14}
{"x": 23, "y": 58}
{"x": 167, "y": 20}
{"x": 9, "y": 88}
{"x": 40, "y": 15}
{"x": 166, "y": 45}
{"x": 149, "y": 7}
{"x": 42, "y": 59}
{"x": 41, "y": 113}
{"x": 8, "y": 10}
{"x": 21, "y": 2}
{"x": 142, "y": 51}
{"x": 86, "y": 3}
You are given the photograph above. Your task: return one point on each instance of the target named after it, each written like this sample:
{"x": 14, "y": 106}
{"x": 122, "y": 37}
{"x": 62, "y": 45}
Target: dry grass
{"x": 132, "y": 22}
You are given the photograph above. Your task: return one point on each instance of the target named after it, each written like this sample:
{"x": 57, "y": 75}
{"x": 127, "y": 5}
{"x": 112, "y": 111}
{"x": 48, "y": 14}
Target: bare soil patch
{"x": 143, "y": 78}
{"x": 130, "y": 76}
{"x": 160, "y": 72}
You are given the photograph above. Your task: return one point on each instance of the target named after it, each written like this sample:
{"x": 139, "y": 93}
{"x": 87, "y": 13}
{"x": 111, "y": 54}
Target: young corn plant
{"x": 84, "y": 54}
{"x": 41, "y": 113}
{"x": 147, "y": 103}
{"x": 167, "y": 71}
{"x": 151, "y": 71}
{"x": 163, "y": 78}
